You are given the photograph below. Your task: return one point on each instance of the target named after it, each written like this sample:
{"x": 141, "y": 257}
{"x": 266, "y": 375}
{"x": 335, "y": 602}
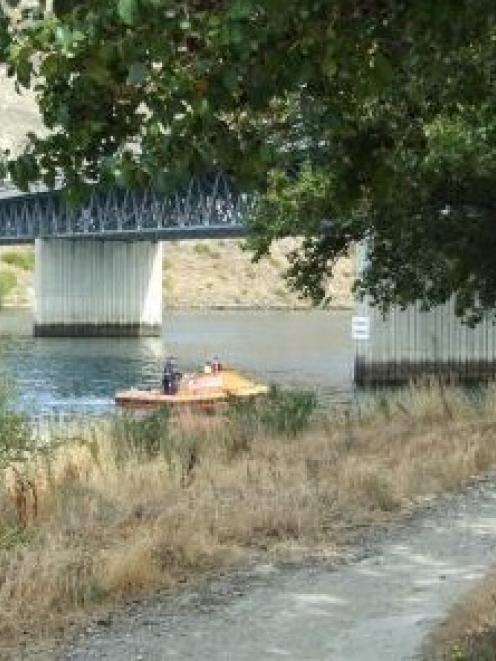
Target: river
{"x": 80, "y": 376}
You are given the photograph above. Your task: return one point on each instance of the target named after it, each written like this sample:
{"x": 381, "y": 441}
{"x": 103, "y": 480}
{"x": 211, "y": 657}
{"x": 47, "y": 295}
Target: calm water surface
{"x": 79, "y": 376}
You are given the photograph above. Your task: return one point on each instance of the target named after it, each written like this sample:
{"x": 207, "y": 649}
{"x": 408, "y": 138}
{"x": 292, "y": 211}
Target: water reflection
{"x": 81, "y": 375}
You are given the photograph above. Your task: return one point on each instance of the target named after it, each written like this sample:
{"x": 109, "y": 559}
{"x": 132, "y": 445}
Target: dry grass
{"x": 114, "y": 518}
{"x": 469, "y": 631}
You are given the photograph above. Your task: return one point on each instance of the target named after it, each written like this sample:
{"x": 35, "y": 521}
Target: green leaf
{"x": 382, "y": 70}
{"x": 128, "y": 11}
{"x": 241, "y": 9}
{"x": 137, "y": 73}
{"x": 63, "y": 36}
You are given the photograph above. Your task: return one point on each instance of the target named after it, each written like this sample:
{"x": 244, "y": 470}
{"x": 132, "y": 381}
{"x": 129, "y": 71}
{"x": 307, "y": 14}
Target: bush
{"x": 288, "y": 412}
{"x": 147, "y": 435}
{"x": 8, "y": 281}
{"x": 15, "y": 434}
{"x": 21, "y": 260}
{"x": 283, "y": 413}
{"x": 206, "y": 250}
{"x": 156, "y": 434}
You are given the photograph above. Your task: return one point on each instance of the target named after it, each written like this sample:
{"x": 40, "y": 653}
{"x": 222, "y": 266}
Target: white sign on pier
{"x": 360, "y": 328}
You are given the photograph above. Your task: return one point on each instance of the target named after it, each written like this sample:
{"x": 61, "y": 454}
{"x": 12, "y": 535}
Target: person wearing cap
{"x": 171, "y": 377}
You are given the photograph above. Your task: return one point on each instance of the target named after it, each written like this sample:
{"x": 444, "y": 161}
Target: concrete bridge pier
{"x": 91, "y": 287}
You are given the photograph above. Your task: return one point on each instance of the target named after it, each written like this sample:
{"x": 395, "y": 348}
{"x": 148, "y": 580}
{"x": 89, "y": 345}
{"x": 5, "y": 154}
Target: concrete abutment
{"x": 97, "y": 288}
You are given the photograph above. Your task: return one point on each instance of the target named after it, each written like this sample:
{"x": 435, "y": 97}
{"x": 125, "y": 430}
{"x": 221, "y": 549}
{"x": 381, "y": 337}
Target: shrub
{"x": 147, "y": 435}
{"x": 21, "y": 260}
{"x": 284, "y": 412}
{"x": 206, "y": 249}
{"x": 287, "y": 412}
{"x": 157, "y": 434}
{"x": 8, "y": 281}
{"x": 15, "y": 434}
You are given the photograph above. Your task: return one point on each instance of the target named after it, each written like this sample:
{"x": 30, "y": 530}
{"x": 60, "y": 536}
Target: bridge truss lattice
{"x": 208, "y": 207}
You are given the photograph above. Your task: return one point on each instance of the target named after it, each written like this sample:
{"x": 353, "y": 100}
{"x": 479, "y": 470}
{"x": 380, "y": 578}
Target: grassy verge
{"x": 22, "y": 259}
{"x": 136, "y": 505}
{"x": 469, "y": 631}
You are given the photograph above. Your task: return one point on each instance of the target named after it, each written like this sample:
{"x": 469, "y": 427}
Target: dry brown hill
{"x": 221, "y": 274}
{"x": 18, "y": 114}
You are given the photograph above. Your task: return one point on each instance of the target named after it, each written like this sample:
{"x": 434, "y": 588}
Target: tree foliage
{"x": 351, "y": 120}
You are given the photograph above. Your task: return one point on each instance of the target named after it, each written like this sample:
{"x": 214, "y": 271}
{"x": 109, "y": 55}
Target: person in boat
{"x": 171, "y": 377}
{"x": 212, "y": 366}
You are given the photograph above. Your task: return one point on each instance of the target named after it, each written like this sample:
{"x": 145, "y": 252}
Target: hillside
{"x": 18, "y": 114}
{"x": 221, "y": 274}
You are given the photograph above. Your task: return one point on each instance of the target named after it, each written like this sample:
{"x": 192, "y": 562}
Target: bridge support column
{"x": 97, "y": 288}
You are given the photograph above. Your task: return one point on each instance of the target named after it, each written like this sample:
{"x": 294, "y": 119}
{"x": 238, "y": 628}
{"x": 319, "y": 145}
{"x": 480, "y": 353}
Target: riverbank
{"x": 131, "y": 509}
{"x": 207, "y": 274}
{"x": 378, "y": 605}
{"x": 468, "y": 633}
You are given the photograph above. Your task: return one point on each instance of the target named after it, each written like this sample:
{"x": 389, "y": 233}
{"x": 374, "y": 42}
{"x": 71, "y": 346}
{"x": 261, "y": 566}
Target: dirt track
{"x": 379, "y": 607}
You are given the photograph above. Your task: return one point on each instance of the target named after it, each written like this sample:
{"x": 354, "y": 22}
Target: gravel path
{"x": 378, "y": 608}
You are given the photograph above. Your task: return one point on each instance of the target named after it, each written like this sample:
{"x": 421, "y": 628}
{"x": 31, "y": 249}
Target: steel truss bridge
{"x": 208, "y": 207}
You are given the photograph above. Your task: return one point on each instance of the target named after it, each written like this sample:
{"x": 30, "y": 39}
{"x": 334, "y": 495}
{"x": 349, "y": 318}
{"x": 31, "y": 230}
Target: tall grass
{"x": 135, "y": 505}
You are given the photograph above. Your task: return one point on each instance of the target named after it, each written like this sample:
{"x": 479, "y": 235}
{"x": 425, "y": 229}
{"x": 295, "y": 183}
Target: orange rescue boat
{"x": 204, "y": 391}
